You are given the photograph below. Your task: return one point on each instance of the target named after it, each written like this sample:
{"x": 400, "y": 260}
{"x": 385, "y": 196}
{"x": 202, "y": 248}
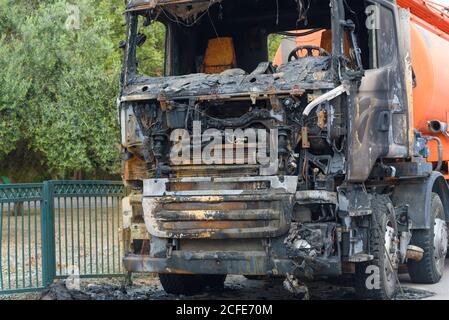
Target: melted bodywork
{"x": 305, "y": 74}
{"x": 341, "y": 122}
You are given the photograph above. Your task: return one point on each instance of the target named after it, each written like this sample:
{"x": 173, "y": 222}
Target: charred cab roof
{"x": 135, "y": 5}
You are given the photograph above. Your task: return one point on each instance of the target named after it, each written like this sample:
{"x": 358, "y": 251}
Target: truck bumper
{"x": 201, "y": 263}
{"x": 239, "y": 263}
{"x": 220, "y": 226}
{"x": 218, "y": 208}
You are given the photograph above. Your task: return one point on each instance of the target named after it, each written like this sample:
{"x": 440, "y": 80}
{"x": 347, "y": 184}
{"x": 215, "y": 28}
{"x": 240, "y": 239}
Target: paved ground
{"x": 85, "y": 240}
{"x": 440, "y": 289}
{"x": 236, "y": 287}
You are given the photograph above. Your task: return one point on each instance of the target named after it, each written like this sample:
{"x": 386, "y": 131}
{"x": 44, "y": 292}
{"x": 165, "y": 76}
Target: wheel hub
{"x": 391, "y": 251}
{"x": 440, "y": 243}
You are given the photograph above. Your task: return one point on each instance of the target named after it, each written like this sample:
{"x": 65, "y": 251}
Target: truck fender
{"x": 417, "y": 194}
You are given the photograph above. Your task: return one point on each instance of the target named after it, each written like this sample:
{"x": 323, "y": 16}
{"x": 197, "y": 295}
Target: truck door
{"x": 379, "y": 113}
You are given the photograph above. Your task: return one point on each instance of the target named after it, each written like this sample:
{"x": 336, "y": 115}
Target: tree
{"x": 13, "y": 85}
{"x": 58, "y": 85}
{"x": 274, "y": 42}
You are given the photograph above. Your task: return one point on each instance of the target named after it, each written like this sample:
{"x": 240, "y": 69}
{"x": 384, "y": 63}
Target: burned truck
{"x": 306, "y": 169}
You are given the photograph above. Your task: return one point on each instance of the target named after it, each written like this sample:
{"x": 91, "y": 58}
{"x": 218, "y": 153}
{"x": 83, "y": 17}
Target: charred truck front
{"x": 306, "y": 169}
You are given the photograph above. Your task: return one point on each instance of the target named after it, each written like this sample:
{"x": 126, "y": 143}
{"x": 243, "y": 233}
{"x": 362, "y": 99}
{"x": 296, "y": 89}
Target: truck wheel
{"x": 191, "y": 284}
{"x": 434, "y": 243}
{"x": 377, "y": 279}
{"x": 215, "y": 282}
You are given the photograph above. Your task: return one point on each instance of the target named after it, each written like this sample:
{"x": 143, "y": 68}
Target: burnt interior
{"x": 248, "y": 23}
{"x": 311, "y": 147}
{"x": 253, "y": 94}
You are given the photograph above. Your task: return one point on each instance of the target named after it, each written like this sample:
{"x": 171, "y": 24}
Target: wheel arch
{"x": 417, "y": 195}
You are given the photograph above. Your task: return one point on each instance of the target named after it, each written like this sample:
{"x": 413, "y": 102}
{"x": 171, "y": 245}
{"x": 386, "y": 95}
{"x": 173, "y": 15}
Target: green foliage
{"x": 274, "y": 41}
{"x": 13, "y": 83}
{"x": 73, "y": 123}
{"x": 58, "y": 85}
{"x": 151, "y": 54}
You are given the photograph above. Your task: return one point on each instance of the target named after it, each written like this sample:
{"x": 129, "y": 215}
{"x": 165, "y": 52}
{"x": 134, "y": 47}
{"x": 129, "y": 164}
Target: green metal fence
{"x": 20, "y": 234}
{"x": 58, "y": 229}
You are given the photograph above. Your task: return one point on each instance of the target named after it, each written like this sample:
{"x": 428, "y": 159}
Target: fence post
{"x": 48, "y": 234}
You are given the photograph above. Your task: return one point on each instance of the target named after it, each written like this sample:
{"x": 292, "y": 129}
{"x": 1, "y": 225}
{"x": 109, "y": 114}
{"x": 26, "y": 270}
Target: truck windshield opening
{"x": 212, "y": 37}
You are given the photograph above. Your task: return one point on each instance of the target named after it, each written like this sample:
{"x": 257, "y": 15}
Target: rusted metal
{"x": 322, "y": 119}
{"x": 134, "y": 169}
{"x": 415, "y": 253}
{"x": 305, "y": 138}
{"x": 314, "y": 196}
{"x": 138, "y": 5}
{"x": 214, "y": 224}
{"x": 138, "y": 231}
{"x": 163, "y": 101}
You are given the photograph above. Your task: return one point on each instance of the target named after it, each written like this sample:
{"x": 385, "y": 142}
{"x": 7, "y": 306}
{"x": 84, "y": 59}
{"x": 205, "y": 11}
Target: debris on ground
{"x": 236, "y": 287}
{"x": 59, "y": 291}
{"x": 297, "y": 288}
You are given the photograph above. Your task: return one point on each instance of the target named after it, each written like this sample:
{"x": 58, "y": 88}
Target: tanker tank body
{"x": 429, "y": 49}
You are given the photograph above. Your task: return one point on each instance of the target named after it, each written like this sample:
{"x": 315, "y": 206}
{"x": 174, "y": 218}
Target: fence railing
{"x": 21, "y": 237}
{"x": 58, "y": 229}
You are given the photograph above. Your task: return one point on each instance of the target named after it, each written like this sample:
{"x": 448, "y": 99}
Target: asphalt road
{"x": 147, "y": 287}
{"x": 440, "y": 289}
{"x": 240, "y": 288}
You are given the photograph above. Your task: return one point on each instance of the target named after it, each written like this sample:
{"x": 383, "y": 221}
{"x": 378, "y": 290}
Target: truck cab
{"x": 309, "y": 167}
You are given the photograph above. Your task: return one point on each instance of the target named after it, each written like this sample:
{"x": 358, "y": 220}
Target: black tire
{"x": 215, "y": 282}
{"x": 380, "y": 282}
{"x": 430, "y": 269}
{"x": 191, "y": 284}
{"x": 137, "y": 246}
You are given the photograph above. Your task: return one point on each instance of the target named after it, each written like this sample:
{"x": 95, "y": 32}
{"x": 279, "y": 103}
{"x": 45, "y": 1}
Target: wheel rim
{"x": 440, "y": 244}
{"x": 390, "y": 254}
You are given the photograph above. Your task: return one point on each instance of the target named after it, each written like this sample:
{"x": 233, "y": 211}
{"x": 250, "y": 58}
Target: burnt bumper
{"x": 246, "y": 263}
{"x": 218, "y": 208}
{"x": 253, "y": 263}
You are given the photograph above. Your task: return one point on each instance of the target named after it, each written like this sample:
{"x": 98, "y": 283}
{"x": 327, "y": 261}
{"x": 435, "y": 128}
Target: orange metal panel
{"x": 433, "y": 13}
{"x": 431, "y": 95}
{"x": 220, "y": 55}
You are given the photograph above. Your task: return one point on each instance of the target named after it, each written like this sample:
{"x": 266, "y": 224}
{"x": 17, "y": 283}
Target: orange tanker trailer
{"x": 430, "y": 49}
